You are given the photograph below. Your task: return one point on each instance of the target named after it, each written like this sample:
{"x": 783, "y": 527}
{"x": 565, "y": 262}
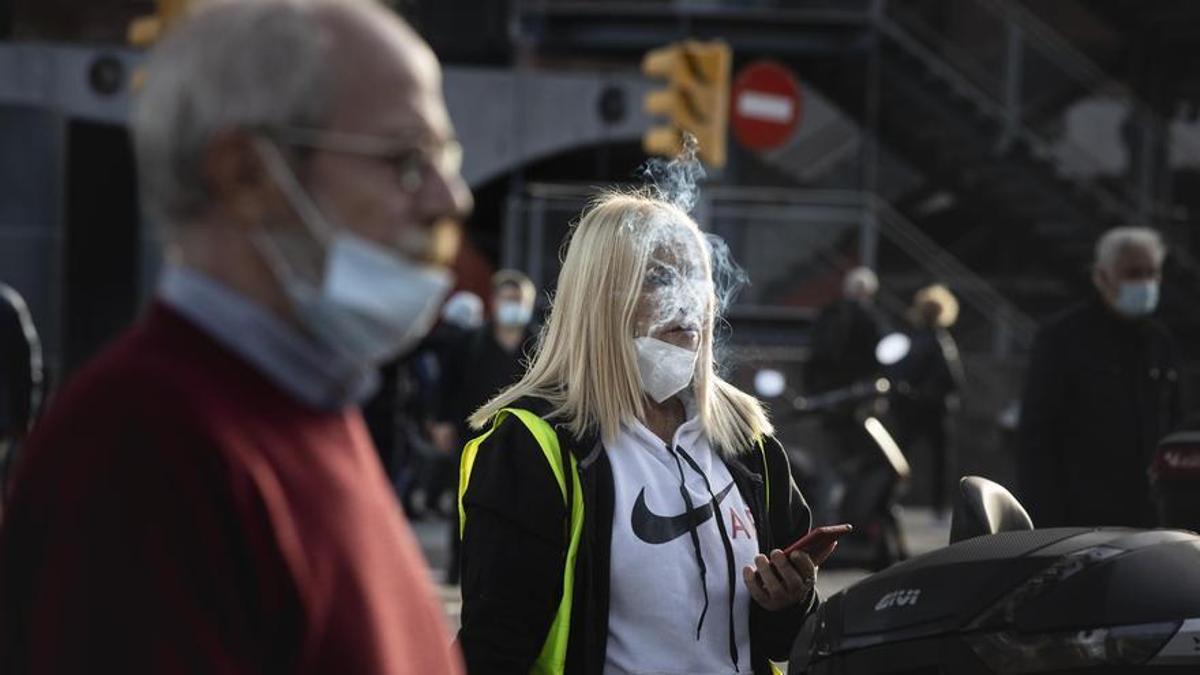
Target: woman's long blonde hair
{"x": 585, "y": 364}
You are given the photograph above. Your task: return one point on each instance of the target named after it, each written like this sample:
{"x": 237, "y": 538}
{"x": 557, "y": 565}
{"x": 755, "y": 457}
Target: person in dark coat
{"x": 842, "y": 354}
{"x": 844, "y": 336}
{"x": 409, "y": 386}
{"x": 1102, "y": 389}
{"x": 20, "y": 374}
{"x": 928, "y": 381}
{"x": 489, "y": 359}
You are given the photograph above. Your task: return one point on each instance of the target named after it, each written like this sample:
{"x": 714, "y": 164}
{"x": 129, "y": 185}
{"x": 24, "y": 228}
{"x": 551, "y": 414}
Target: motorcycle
{"x": 1004, "y": 598}
{"x": 1174, "y": 477}
{"x": 863, "y": 483}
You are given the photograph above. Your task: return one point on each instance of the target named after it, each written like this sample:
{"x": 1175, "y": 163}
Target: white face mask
{"x": 464, "y": 309}
{"x": 513, "y": 313}
{"x": 665, "y": 369}
{"x": 370, "y": 304}
{"x": 1136, "y": 298}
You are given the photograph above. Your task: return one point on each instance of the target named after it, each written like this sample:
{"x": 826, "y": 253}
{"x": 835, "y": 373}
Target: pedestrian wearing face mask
{"x": 21, "y": 377}
{"x": 203, "y": 496}
{"x": 398, "y": 415}
{"x": 485, "y": 361}
{"x": 625, "y": 508}
{"x": 1102, "y": 389}
{"x": 844, "y": 337}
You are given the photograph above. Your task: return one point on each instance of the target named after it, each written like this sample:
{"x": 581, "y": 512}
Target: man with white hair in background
{"x": 203, "y": 497}
{"x": 1102, "y": 389}
{"x": 842, "y": 350}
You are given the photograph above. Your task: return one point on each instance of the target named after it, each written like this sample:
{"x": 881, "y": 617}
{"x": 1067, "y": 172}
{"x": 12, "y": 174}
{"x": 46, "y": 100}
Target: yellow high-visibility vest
{"x": 553, "y": 657}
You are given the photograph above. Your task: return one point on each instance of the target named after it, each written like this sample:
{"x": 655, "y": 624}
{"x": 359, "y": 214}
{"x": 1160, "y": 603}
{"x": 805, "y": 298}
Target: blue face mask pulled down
{"x": 1136, "y": 299}
{"x": 370, "y": 303}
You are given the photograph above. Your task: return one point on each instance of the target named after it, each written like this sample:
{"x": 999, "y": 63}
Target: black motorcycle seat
{"x": 985, "y": 507}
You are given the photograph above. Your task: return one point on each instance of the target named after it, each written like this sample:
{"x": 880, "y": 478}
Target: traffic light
{"x": 695, "y": 100}
{"x": 146, "y": 30}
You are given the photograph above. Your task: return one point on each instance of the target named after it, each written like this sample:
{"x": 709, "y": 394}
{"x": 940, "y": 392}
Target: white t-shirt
{"x": 656, "y": 597}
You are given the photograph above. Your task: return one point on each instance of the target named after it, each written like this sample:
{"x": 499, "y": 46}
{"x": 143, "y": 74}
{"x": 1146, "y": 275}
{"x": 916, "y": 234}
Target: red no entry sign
{"x": 766, "y": 105}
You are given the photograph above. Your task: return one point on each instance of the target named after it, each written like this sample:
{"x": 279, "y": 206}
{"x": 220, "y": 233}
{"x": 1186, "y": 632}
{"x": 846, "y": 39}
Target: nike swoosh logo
{"x": 655, "y": 529}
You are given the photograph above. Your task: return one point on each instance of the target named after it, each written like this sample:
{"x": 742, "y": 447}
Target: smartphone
{"x": 819, "y": 542}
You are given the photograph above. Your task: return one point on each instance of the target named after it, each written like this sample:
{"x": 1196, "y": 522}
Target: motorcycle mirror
{"x": 769, "y": 383}
{"x": 892, "y": 349}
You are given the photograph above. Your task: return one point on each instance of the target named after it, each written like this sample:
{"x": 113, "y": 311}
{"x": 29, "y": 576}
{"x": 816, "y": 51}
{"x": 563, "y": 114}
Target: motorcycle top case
{"x": 1033, "y": 601}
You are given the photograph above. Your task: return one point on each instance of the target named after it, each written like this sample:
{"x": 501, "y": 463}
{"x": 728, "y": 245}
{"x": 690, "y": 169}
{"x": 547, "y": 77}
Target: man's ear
{"x": 238, "y": 180}
{"x": 1102, "y": 282}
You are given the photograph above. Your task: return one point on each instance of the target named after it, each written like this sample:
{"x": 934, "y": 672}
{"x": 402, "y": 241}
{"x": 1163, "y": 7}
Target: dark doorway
{"x": 101, "y": 248}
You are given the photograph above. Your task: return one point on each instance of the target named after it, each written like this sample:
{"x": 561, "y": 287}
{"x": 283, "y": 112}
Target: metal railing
{"x": 986, "y": 88}
{"x": 1025, "y": 81}
{"x": 1014, "y": 328}
{"x": 999, "y": 91}
{"x": 1018, "y": 70}
{"x": 537, "y": 221}
{"x": 935, "y": 261}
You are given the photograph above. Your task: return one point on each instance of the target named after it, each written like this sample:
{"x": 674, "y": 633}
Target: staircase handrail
{"x": 1071, "y": 60}
{"x": 972, "y": 288}
{"x": 1062, "y": 53}
{"x": 1039, "y": 146}
{"x": 1068, "y": 59}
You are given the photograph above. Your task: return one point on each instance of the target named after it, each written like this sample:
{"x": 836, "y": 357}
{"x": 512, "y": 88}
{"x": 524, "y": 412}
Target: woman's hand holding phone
{"x": 780, "y": 581}
{"x": 787, "y": 577}
{"x": 820, "y": 541}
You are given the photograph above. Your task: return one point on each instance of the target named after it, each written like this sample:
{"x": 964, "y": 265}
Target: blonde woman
{"x": 589, "y": 538}
{"x": 930, "y": 379}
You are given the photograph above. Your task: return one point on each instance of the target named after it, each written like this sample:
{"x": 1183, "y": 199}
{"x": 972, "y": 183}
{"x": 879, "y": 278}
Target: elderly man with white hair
{"x": 844, "y": 336}
{"x": 203, "y": 497}
{"x": 1102, "y": 389}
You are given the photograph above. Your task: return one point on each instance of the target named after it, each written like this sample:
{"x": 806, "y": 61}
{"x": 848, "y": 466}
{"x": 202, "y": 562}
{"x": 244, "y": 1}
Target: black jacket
{"x": 475, "y": 370}
{"x": 516, "y": 539}
{"x": 1100, "y": 393}
{"x": 929, "y": 374}
{"x": 20, "y": 367}
{"x": 843, "y": 341}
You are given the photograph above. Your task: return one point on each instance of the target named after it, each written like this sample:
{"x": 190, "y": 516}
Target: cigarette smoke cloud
{"x": 679, "y": 288}
{"x": 729, "y": 278}
{"x": 676, "y": 181}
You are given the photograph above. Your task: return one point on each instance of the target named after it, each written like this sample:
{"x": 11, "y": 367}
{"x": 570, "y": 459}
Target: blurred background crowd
{"x": 940, "y": 169}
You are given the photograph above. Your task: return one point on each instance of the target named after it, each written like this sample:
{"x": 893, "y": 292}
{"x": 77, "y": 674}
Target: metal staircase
{"x": 974, "y": 98}
{"x": 978, "y": 105}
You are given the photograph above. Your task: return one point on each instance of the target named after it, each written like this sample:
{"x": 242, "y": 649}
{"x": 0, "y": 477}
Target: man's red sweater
{"x": 176, "y": 512}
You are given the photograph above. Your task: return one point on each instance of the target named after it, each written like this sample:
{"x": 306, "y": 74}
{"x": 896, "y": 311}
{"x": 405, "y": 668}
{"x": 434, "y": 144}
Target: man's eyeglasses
{"x": 412, "y": 164}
